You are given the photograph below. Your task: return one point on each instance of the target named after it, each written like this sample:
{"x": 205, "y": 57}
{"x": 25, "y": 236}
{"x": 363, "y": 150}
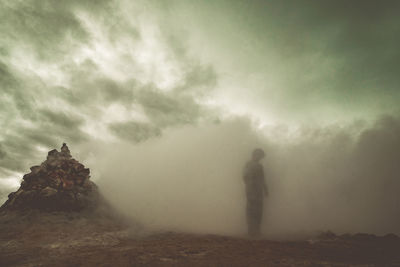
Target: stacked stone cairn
{"x": 60, "y": 183}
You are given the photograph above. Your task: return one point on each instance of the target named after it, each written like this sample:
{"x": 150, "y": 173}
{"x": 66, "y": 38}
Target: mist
{"x": 339, "y": 178}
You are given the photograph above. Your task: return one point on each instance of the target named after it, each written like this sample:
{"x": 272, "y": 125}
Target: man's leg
{"x": 257, "y": 216}
{"x": 249, "y": 218}
{"x": 252, "y": 218}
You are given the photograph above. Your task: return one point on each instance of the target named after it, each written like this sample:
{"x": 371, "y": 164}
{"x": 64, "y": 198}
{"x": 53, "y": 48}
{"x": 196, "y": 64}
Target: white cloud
{"x": 146, "y": 57}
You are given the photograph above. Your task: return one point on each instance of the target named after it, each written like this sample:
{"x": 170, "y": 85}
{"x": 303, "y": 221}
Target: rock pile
{"x": 60, "y": 183}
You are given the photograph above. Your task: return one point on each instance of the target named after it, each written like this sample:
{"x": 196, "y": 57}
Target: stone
{"x": 60, "y": 183}
{"x": 52, "y": 153}
{"x": 48, "y": 192}
{"x": 65, "y": 150}
{"x": 35, "y": 169}
{"x": 67, "y": 184}
{"x": 55, "y": 182}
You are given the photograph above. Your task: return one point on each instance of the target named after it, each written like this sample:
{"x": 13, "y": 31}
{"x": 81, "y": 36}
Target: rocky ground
{"x": 59, "y": 218}
{"x": 73, "y": 239}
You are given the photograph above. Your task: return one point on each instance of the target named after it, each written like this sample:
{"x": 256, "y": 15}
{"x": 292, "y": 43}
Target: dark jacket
{"x": 253, "y": 176}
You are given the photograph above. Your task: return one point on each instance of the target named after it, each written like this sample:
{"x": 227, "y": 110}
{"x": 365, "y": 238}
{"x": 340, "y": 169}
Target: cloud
{"x": 75, "y": 71}
{"x": 2, "y": 152}
{"x": 135, "y": 131}
{"x": 342, "y": 179}
{"x": 319, "y": 61}
{"x": 168, "y": 108}
{"x": 59, "y": 118}
{"x": 128, "y": 82}
{"x": 47, "y": 28}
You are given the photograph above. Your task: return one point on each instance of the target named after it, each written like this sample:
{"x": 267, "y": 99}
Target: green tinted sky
{"x": 77, "y": 71}
{"x": 320, "y": 60}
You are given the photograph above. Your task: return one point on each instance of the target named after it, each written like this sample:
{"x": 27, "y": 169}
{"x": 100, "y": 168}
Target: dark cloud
{"x": 114, "y": 92}
{"x": 7, "y": 80}
{"x": 12, "y": 93}
{"x": 60, "y": 119}
{"x": 135, "y": 131}
{"x": 360, "y": 38}
{"x": 19, "y": 152}
{"x": 200, "y": 79}
{"x": 51, "y": 128}
{"x": 47, "y": 26}
{"x": 56, "y": 128}
{"x": 168, "y": 109}
{"x": 2, "y": 152}
{"x": 39, "y": 137}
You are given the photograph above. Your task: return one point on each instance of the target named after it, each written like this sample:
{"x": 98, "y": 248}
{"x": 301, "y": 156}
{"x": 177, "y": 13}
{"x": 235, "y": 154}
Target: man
{"x": 256, "y": 189}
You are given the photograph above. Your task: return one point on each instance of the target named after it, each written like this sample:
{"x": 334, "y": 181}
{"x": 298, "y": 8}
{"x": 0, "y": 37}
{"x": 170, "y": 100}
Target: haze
{"x": 165, "y": 101}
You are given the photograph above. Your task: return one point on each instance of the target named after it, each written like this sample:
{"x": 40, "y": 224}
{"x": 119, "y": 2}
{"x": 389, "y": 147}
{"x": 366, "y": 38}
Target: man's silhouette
{"x": 256, "y": 189}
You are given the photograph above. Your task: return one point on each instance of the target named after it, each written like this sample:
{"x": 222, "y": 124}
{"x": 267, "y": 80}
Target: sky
{"x": 146, "y": 85}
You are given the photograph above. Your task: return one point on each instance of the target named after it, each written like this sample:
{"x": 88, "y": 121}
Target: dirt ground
{"x": 69, "y": 240}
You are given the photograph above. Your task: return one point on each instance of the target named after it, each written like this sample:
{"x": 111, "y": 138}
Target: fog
{"x": 339, "y": 178}
{"x": 135, "y": 88}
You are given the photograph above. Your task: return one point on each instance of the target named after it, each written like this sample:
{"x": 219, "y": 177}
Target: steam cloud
{"x": 344, "y": 179}
{"x": 134, "y": 88}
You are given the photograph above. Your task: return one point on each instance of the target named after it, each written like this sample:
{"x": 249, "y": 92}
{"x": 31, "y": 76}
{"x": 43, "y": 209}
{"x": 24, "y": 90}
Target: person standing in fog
{"x": 256, "y": 190}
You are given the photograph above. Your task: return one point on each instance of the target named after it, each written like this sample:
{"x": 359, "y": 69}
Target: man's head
{"x": 258, "y": 154}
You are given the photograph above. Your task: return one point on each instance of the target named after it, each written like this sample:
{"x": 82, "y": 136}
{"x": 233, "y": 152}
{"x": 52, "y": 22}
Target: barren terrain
{"x": 73, "y": 239}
